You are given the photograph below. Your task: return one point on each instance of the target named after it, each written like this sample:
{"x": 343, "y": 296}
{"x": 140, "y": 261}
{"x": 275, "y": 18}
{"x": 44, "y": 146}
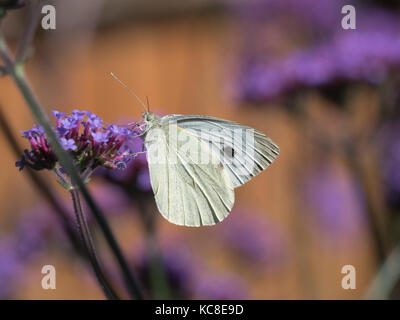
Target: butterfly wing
{"x": 187, "y": 192}
{"x": 243, "y": 151}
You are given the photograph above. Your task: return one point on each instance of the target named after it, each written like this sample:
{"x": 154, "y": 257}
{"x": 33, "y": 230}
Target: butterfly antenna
{"x": 148, "y": 104}
{"x": 129, "y": 89}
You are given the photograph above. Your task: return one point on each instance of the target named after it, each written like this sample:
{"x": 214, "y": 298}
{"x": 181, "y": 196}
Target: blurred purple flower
{"x": 249, "y": 236}
{"x": 143, "y": 180}
{"x": 336, "y": 201}
{"x": 18, "y": 248}
{"x": 322, "y": 15}
{"x": 220, "y": 287}
{"x": 34, "y": 228}
{"x": 110, "y": 198}
{"x": 11, "y": 268}
{"x": 366, "y": 54}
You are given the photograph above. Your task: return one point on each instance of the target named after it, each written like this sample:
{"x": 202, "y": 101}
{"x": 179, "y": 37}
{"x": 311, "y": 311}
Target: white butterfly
{"x": 195, "y": 162}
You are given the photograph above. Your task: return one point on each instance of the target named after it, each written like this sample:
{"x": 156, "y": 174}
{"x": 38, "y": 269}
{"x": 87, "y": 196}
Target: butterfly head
{"x": 148, "y": 116}
{"x": 150, "y": 119}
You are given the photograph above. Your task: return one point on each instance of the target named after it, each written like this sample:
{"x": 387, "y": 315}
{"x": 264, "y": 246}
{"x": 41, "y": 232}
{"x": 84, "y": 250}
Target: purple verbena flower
{"x": 20, "y": 164}
{"x": 68, "y": 144}
{"x": 94, "y": 121}
{"x": 91, "y": 143}
{"x": 58, "y": 114}
{"x": 68, "y": 123}
{"x": 135, "y": 179}
{"x": 41, "y": 156}
{"x": 114, "y": 129}
{"x": 61, "y": 131}
{"x": 78, "y": 115}
{"x": 99, "y": 137}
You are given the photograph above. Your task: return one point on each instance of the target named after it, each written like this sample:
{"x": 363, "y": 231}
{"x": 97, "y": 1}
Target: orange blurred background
{"x": 185, "y": 59}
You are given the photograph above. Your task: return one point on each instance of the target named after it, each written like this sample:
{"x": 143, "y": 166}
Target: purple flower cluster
{"x": 135, "y": 179}
{"x": 91, "y": 142}
{"x": 366, "y": 54}
{"x": 363, "y": 57}
{"x": 41, "y": 156}
{"x": 307, "y": 13}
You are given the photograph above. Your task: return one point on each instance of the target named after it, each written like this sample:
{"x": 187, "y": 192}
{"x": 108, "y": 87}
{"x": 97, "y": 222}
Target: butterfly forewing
{"x": 242, "y": 150}
{"x": 191, "y": 185}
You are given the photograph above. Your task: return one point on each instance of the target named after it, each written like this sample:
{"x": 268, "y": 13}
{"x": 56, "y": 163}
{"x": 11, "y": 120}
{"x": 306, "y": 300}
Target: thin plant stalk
{"x": 355, "y": 167}
{"x": 159, "y": 286}
{"x": 87, "y": 240}
{"x": 387, "y": 277}
{"x": 372, "y": 215}
{"x": 29, "y": 30}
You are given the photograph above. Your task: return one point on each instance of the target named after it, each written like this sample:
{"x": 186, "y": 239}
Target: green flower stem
{"x": 28, "y": 33}
{"x": 158, "y": 279}
{"x": 89, "y": 247}
{"x": 387, "y": 278}
{"x": 159, "y": 283}
{"x": 16, "y": 72}
{"x": 372, "y": 215}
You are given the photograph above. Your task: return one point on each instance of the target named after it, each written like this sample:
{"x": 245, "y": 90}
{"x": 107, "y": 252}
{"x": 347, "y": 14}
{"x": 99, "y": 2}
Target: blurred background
{"x": 328, "y": 97}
